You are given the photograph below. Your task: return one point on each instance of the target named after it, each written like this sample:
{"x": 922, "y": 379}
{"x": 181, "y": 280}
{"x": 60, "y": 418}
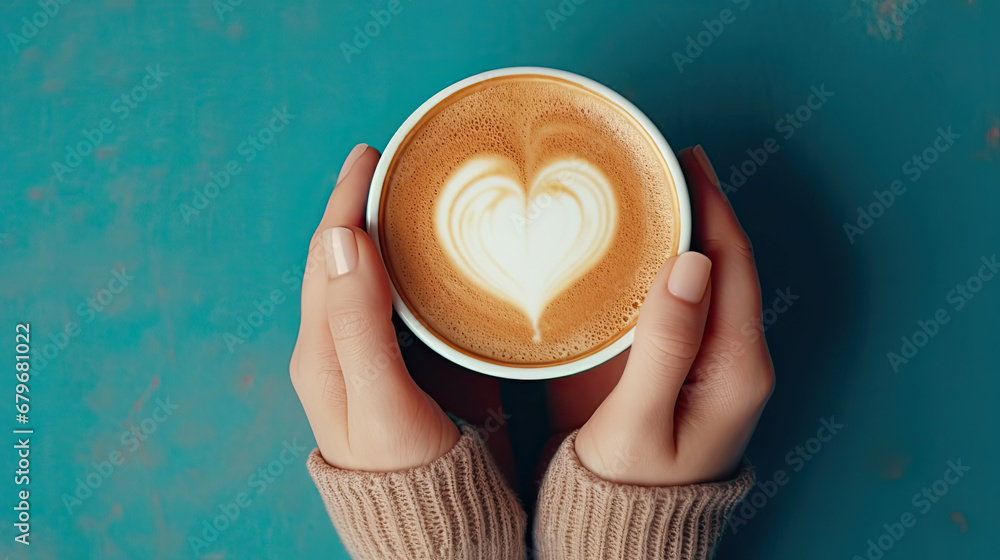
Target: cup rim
{"x": 528, "y": 373}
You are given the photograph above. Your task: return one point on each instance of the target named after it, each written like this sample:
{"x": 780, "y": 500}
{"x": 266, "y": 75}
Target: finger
{"x": 667, "y": 339}
{"x": 359, "y": 307}
{"x": 716, "y": 437}
{"x": 320, "y": 386}
{"x": 732, "y": 376}
{"x": 346, "y": 207}
{"x": 314, "y": 368}
{"x": 718, "y": 234}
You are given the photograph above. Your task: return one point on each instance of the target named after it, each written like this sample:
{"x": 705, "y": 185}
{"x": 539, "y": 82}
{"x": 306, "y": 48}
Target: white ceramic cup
{"x": 528, "y": 372}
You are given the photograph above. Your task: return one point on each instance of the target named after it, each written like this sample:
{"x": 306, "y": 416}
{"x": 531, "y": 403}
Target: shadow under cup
{"x": 522, "y": 214}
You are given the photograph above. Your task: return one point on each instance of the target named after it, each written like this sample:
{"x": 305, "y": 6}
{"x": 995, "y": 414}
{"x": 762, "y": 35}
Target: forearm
{"x": 581, "y": 516}
{"x": 457, "y": 507}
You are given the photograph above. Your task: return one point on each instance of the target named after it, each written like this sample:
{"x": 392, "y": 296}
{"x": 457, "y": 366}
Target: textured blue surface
{"x": 161, "y": 340}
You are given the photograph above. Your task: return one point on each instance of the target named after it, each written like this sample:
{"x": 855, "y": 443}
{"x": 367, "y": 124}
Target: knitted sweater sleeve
{"x": 458, "y": 507}
{"x": 581, "y": 516}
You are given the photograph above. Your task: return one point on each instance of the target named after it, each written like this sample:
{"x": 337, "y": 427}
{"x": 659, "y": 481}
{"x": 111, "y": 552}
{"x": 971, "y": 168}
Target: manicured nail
{"x": 341, "y": 251}
{"x": 689, "y": 277}
{"x": 706, "y": 166}
{"x": 352, "y": 158}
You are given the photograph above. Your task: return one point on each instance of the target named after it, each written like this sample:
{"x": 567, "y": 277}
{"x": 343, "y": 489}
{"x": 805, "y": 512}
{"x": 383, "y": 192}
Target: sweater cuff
{"x": 581, "y": 515}
{"x": 457, "y": 507}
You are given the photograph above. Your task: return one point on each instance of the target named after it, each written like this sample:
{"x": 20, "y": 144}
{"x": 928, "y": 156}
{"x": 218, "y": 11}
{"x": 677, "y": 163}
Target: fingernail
{"x": 706, "y": 166}
{"x": 341, "y": 251}
{"x": 352, "y": 158}
{"x": 689, "y": 277}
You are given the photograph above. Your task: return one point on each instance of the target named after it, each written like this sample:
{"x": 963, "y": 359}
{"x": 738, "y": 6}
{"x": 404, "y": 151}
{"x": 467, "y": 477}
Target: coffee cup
{"x": 521, "y": 214}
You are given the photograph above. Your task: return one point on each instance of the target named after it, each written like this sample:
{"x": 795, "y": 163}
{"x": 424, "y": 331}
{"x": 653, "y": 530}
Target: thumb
{"x": 359, "y": 308}
{"x": 667, "y": 337}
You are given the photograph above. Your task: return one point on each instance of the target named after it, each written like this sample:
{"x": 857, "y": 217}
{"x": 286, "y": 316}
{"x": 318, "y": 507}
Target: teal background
{"x": 163, "y": 336}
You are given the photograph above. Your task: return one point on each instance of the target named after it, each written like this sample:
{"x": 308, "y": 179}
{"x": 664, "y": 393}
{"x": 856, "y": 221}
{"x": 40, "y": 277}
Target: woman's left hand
{"x": 365, "y": 410}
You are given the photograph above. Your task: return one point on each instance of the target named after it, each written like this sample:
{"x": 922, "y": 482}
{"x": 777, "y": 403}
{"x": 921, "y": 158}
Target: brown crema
{"x": 531, "y": 121}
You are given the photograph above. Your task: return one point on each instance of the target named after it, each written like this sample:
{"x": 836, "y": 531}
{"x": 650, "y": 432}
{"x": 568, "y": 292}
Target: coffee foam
{"x": 520, "y": 136}
{"x": 525, "y": 246}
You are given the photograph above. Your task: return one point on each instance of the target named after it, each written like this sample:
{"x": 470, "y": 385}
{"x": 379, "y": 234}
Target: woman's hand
{"x": 698, "y": 374}
{"x": 365, "y": 410}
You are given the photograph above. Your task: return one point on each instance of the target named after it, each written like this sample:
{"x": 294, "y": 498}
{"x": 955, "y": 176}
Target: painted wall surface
{"x": 116, "y": 113}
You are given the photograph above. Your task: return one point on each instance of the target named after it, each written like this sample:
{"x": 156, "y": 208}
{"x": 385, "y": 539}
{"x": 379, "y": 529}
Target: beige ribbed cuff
{"x": 581, "y": 516}
{"x": 457, "y": 507}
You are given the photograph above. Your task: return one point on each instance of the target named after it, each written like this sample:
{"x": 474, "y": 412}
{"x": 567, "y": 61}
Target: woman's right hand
{"x": 699, "y": 373}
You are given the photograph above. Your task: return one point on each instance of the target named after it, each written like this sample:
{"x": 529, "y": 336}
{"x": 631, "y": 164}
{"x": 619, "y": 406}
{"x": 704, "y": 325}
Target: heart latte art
{"x": 522, "y": 220}
{"x": 526, "y": 245}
